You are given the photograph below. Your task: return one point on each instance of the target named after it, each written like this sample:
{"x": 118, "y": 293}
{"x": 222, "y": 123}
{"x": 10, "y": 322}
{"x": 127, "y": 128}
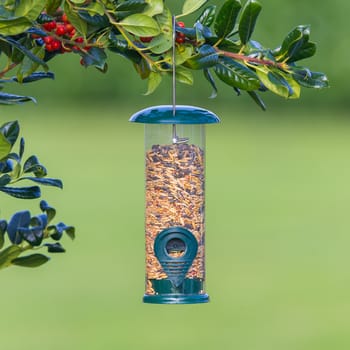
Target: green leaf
{"x": 121, "y": 47}
{"x": 44, "y": 181}
{"x": 28, "y": 66}
{"x": 5, "y": 180}
{"x": 207, "y": 16}
{"x": 257, "y": 99}
{"x": 143, "y": 69}
{"x": 163, "y": 42}
{"x": 10, "y": 99}
{"x": 5, "y": 146}
{"x": 74, "y": 18}
{"x": 131, "y": 6}
{"x": 140, "y": 25}
{"x": 248, "y": 19}
{"x": 154, "y": 7}
{"x": 207, "y": 57}
{"x": 306, "y": 50}
{"x": 3, "y": 227}
{"x": 23, "y": 192}
{"x": 154, "y": 81}
{"x": 30, "y": 9}
{"x": 226, "y": 18}
{"x": 11, "y": 131}
{"x": 236, "y": 74}
{"x": 25, "y": 13}
{"x": 184, "y": 75}
{"x": 52, "y": 6}
{"x": 8, "y": 254}
{"x": 278, "y": 83}
{"x": 294, "y": 41}
{"x": 191, "y": 6}
{"x": 33, "y": 260}
{"x": 306, "y": 78}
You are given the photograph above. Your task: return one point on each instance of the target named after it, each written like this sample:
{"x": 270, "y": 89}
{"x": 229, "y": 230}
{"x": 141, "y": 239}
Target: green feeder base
{"x": 176, "y": 299}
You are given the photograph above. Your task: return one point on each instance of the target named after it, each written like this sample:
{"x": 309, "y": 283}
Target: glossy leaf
{"x": 10, "y": 99}
{"x": 5, "y": 180}
{"x": 248, "y": 19}
{"x": 10, "y": 131}
{"x": 226, "y": 18}
{"x": 8, "y": 254}
{"x": 28, "y": 65}
{"x": 306, "y": 78}
{"x": 294, "y": 41}
{"x": 29, "y": 9}
{"x": 191, "y": 6}
{"x": 207, "y": 57}
{"x": 33, "y": 260}
{"x": 19, "y": 220}
{"x": 210, "y": 78}
{"x": 278, "y": 83}
{"x": 121, "y": 47}
{"x": 236, "y": 74}
{"x": 140, "y": 25}
{"x": 23, "y": 192}
{"x": 208, "y": 15}
{"x": 306, "y": 50}
{"x": 44, "y": 181}
{"x": 32, "y": 165}
{"x": 131, "y": 6}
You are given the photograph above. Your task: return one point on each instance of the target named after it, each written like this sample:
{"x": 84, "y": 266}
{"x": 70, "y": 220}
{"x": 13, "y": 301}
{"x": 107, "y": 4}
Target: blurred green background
{"x": 278, "y": 204}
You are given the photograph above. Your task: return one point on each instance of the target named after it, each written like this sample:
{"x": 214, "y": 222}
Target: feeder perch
{"x": 175, "y": 199}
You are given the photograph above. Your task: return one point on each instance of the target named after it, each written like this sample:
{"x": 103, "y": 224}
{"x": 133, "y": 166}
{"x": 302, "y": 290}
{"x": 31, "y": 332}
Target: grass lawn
{"x": 278, "y": 237}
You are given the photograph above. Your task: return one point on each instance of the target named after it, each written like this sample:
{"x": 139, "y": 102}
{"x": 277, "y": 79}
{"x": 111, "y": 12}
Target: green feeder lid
{"x": 183, "y": 115}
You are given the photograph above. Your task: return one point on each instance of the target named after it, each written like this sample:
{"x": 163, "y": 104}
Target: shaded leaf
{"x": 33, "y": 260}
{"x": 8, "y": 254}
{"x": 226, "y": 18}
{"x": 3, "y": 227}
{"x": 55, "y": 247}
{"x": 257, "y": 99}
{"x": 33, "y": 235}
{"x": 154, "y": 7}
{"x": 184, "y": 75}
{"x": 207, "y": 57}
{"x": 44, "y": 181}
{"x": 74, "y": 18}
{"x": 211, "y": 80}
{"x": 5, "y": 180}
{"x": 23, "y": 192}
{"x": 19, "y": 220}
{"x": 10, "y": 131}
{"x": 306, "y": 78}
{"x": 10, "y": 99}
{"x": 248, "y": 19}
{"x": 50, "y": 211}
{"x": 154, "y": 81}
{"x": 52, "y": 6}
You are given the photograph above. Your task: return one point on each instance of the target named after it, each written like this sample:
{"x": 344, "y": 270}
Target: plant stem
{"x": 241, "y": 57}
{"x": 7, "y": 69}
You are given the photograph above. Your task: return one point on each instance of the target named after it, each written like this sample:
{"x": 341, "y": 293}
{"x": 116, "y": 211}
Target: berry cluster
{"x": 62, "y": 36}
{"x": 180, "y": 37}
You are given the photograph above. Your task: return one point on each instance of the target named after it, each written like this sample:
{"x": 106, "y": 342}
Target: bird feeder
{"x": 175, "y": 200}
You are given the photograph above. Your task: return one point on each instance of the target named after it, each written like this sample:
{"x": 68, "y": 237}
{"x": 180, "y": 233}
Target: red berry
{"x": 82, "y": 62}
{"x": 48, "y": 39}
{"x": 181, "y": 24}
{"x": 180, "y": 40}
{"x": 146, "y": 39}
{"x": 69, "y": 28}
{"x": 61, "y": 30}
{"x": 49, "y": 26}
{"x": 49, "y": 47}
{"x": 56, "y": 45}
{"x": 65, "y": 18}
{"x": 72, "y": 33}
{"x": 79, "y": 40}
{"x": 180, "y": 35}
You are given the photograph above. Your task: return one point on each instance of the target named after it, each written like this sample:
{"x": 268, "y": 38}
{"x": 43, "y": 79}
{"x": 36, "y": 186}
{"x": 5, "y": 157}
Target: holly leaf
{"x": 140, "y": 25}
{"x": 226, "y": 18}
{"x": 248, "y": 19}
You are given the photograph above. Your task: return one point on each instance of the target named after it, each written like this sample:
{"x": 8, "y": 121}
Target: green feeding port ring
{"x": 175, "y": 249}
